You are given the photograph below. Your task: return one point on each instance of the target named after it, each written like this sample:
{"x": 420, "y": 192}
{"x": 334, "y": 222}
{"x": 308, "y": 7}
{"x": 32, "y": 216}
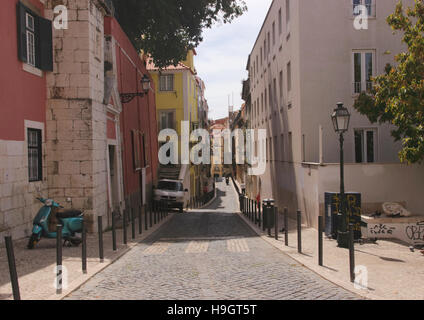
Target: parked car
{"x": 171, "y": 192}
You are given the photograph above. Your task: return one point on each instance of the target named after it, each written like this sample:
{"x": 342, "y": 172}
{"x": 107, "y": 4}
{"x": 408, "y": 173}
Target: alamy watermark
{"x": 60, "y": 21}
{"x": 249, "y": 147}
{"x": 361, "y": 17}
{"x": 361, "y": 278}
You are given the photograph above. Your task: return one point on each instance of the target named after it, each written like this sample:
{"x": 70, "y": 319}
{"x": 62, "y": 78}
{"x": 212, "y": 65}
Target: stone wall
{"x": 76, "y": 116}
{"x": 18, "y": 204}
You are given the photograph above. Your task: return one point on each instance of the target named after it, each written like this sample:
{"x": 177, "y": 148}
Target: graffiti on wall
{"x": 412, "y": 233}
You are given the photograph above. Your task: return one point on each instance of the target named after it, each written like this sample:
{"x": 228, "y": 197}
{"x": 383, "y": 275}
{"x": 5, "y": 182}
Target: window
{"x": 30, "y": 38}
{"x": 262, "y": 102}
{"x": 167, "y": 82}
{"x": 275, "y": 91}
{"x": 265, "y": 47}
{"x": 280, "y": 22}
{"x": 273, "y": 33}
{"x": 35, "y": 40}
{"x": 265, "y": 101}
{"x": 270, "y": 96}
{"x": 262, "y": 57}
{"x": 281, "y": 86}
{"x": 35, "y": 164}
{"x": 288, "y": 14}
{"x": 289, "y": 84}
{"x": 363, "y": 71}
{"x": 269, "y": 43}
{"x": 369, "y": 4}
{"x": 365, "y": 145}
{"x": 167, "y": 120}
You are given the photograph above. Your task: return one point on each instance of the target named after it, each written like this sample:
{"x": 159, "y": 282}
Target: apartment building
{"x": 66, "y": 132}
{"x": 308, "y": 57}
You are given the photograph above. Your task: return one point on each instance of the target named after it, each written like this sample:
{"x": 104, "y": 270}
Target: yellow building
{"x": 177, "y": 98}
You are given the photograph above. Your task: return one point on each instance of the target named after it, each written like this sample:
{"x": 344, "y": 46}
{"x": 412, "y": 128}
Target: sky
{"x": 222, "y": 57}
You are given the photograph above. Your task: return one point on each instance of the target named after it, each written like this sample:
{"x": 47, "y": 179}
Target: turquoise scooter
{"x": 71, "y": 220}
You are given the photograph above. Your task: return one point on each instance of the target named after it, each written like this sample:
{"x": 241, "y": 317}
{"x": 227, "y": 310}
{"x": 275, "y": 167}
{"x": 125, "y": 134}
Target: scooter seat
{"x": 66, "y": 214}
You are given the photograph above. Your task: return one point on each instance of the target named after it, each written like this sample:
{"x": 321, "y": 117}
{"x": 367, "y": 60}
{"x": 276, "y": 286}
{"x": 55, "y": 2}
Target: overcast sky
{"x": 222, "y": 57}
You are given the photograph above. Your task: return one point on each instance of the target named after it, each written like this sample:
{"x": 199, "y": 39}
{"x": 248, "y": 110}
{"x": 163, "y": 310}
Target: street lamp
{"x": 341, "y": 120}
{"x": 145, "y": 84}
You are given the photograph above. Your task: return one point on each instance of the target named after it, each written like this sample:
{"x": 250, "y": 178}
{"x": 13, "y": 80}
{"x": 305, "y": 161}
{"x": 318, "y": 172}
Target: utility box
{"x": 269, "y": 213}
{"x": 353, "y": 211}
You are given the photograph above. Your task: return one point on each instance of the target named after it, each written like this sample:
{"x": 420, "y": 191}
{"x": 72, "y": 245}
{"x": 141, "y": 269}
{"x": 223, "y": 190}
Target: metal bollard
{"x": 150, "y": 215}
{"x": 286, "y": 226}
{"x": 140, "y": 220}
{"x": 154, "y": 207}
{"x": 256, "y": 211}
{"x": 114, "y": 230}
{"x": 100, "y": 230}
{"x": 299, "y": 231}
{"x": 146, "y": 223}
{"x": 132, "y": 215}
{"x": 352, "y": 253}
{"x": 124, "y": 226}
{"x": 12, "y": 268}
{"x": 259, "y": 213}
{"x": 320, "y": 241}
{"x": 84, "y": 248}
{"x": 59, "y": 259}
{"x": 276, "y": 223}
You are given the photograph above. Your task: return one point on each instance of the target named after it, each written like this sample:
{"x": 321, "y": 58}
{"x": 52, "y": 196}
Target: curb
{"x": 316, "y": 269}
{"x": 81, "y": 280}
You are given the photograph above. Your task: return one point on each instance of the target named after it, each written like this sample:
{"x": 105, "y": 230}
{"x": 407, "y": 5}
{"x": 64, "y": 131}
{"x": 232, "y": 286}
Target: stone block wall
{"x": 18, "y": 204}
{"x": 76, "y": 116}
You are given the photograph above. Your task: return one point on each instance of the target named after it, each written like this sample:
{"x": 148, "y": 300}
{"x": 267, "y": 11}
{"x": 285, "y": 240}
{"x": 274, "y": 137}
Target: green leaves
{"x": 398, "y": 94}
{"x": 167, "y": 29}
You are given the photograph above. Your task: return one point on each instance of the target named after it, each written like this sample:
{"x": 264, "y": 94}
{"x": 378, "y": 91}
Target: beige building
{"x": 307, "y": 57}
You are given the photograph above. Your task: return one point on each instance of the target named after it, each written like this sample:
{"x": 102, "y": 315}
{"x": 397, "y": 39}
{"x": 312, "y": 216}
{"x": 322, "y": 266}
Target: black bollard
{"x": 12, "y": 268}
{"x": 259, "y": 213}
{"x": 114, "y": 230}
{"x": 286, "y": 226}
{"x": 320, "y": 241}
{"x": 299, "y": 231}
{"x": 276, "y": 223}
{"x": 352, "y": 252}
{"x": 132, "y": 215}
{"x": 146, "y": 222}
{"x": 255, "y": 204}
{"x": 59, "y": 259}
{"x": 84, "y": 248}
{"x": 154, "y": 207}
{"x": 124, "y": 226}
{"x": 100, "y": 231}
{"x": 150, "y": 215}
{"x": 140, "y": 219}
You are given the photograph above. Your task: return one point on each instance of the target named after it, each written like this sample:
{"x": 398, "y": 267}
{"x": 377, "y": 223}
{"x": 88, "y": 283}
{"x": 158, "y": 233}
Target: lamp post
{"x": 341, "y": 119}
{"x": 145, "y": 84}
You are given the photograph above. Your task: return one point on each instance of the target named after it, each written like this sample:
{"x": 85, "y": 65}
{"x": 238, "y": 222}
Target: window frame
{"x": 358, "y": 87}
{"x": 167, "y": 83}
{"x": 364, "y": 141}
{"x": 39, "y": 148}
{"x": 30, "y": 39}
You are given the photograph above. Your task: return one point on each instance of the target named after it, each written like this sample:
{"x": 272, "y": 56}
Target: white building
{"x": 307, "y": 57}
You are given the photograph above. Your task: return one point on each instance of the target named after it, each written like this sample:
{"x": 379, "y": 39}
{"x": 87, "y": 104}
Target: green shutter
{"x": 21, "y": 21}
{"x": 45, "y": 44}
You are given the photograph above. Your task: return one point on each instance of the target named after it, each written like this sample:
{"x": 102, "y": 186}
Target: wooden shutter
{"x": 22, "y": 42}
{"x": 44, "y": 56}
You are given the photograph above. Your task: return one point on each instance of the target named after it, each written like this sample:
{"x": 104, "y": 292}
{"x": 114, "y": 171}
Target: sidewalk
{"x": 36, "y": 268}
{"x": 394, "y": 272}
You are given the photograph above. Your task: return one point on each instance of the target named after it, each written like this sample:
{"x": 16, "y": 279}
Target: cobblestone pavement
{"x": 208, "y": 254}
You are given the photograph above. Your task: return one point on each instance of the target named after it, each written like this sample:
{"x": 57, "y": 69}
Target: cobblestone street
{"x": 208, "y": 254}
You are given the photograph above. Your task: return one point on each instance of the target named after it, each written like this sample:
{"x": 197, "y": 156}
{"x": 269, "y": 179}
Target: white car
{"x": 171, "y": 192}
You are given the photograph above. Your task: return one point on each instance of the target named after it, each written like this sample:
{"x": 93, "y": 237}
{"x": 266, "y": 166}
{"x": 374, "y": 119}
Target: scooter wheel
{"x": 33, "y": 240}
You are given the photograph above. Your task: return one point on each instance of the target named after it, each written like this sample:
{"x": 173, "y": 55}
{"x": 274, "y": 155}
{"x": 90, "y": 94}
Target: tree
{"x": 167, "y": 29}
{"x": 397, "y": 97}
